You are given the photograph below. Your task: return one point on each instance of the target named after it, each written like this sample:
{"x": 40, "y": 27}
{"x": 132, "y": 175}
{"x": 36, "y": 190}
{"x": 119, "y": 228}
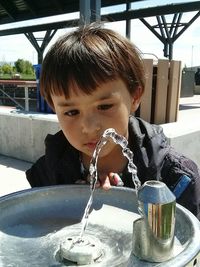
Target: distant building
{"x": 12, "y": 63}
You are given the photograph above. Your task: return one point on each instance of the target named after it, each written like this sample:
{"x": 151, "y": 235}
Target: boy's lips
{"x": 91, "y": 145}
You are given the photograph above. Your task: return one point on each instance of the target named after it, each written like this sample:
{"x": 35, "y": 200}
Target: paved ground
{"x": 12, "y": 175}
{"x": 12, "y": 171}
{"x": 189, "y": 109}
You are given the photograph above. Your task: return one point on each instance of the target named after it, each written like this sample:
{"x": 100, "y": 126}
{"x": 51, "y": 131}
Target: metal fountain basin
{"x": 34, "y": 222}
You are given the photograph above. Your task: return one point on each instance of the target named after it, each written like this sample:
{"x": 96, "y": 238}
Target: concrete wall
{"x": 22, "y": 135}
{"x": 185, "y": 138}
{"x": 197, "y": 89}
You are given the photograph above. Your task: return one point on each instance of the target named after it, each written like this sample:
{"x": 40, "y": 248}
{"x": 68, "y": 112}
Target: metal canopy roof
{"x": 19, "y": 10}
{"x": 12, "y": 11}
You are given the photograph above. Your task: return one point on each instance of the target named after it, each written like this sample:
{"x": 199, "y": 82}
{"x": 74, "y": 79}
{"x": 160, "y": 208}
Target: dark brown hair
{"x": 89, "y": 56}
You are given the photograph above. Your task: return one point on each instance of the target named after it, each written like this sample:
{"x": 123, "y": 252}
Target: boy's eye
{"x": 71, "y": 113}
{"x": 105, "y": 107}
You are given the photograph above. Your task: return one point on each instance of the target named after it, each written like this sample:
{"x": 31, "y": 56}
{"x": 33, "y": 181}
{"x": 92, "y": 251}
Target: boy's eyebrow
{"x": 106, "y": 96}
{"x": 65, "y": 104}
{"x": 70, "y": 103}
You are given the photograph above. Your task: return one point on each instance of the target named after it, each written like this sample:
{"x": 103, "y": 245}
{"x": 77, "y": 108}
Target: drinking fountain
{"x": 70, "y": 225}
{"x": 34, "y": 223}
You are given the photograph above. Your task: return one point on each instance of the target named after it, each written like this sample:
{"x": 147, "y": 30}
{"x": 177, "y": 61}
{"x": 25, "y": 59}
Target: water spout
{"x": 153, "y": 233}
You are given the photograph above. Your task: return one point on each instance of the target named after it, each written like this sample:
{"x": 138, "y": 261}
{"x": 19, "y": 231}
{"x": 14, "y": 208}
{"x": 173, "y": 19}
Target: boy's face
{"x": 83, "y": 118}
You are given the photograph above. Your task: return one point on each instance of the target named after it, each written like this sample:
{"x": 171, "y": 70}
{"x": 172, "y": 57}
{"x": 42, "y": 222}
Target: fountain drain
{"x": 83, "y": 252}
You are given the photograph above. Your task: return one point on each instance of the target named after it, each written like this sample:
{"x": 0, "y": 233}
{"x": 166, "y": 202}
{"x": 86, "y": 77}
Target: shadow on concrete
{"x": 14, "y": 163}
{"x": 189, "y": 106}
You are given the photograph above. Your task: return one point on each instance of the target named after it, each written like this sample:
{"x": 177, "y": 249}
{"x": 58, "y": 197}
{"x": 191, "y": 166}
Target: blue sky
{"x": 186, "y": 48}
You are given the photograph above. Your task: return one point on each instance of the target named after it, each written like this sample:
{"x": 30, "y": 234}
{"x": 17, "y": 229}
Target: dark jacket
{"x": 154, "y": 159}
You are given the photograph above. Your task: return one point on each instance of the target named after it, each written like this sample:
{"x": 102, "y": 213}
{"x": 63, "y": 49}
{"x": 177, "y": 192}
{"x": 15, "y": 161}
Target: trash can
{"x": 187, "y": 83}
{"x": 42, "y": 105}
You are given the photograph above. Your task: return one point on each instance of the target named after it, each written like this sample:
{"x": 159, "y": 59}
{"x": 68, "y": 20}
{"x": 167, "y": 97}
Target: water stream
{"x": 119, "y": 140}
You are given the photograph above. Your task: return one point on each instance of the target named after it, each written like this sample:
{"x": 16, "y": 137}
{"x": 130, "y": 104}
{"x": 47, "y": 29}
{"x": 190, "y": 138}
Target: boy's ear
{"x": 136, "y": 99}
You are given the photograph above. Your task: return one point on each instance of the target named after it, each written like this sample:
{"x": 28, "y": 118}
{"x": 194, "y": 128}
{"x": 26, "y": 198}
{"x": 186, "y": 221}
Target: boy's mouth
{"x": 91, "y": 145}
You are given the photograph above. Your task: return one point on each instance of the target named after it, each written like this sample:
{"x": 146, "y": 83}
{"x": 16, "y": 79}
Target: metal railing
{"x": 17, "y": 85}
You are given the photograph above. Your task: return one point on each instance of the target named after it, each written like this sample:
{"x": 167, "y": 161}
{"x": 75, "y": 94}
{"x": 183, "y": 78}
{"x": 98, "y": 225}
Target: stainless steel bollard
{"x": 153, "y": 233}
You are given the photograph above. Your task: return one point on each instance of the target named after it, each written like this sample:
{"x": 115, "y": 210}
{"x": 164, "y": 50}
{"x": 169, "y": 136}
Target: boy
{"x": 93, "y": 79}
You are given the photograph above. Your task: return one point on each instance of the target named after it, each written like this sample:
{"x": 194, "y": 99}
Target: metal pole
{"x": 95, "y": 6}
{"x": 192, "y": 56}
{"x": 85, "y": 12}
{"x": 128, "y": 22}
{"x": 26, "y": 98}
{"x": 90, "y": 10}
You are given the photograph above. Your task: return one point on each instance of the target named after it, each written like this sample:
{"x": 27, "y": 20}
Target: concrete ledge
{"x": 185, "y": 138}
{"x": 22, "y": 134}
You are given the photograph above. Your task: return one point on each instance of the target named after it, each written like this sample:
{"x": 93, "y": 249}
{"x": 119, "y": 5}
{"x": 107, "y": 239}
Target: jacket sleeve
{"x": 37, "y": 175}
{"x": 183, "y": 177}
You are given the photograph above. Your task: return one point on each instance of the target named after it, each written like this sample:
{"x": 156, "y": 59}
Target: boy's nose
{"x": 90, "y": 124}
